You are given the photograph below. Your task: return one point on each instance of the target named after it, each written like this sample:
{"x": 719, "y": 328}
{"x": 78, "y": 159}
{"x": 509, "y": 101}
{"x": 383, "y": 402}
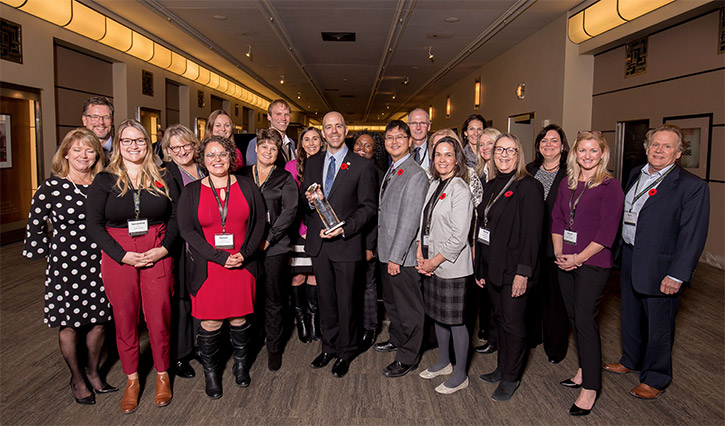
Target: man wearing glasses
{"x": 419, "y": 124}
{"x": 98, "y": 118}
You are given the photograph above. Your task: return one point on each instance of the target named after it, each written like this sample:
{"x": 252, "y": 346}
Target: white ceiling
{"x": 356, "y": 78}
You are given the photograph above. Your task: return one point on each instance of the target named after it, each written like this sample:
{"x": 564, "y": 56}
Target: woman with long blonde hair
{"x": 132, "y": 218}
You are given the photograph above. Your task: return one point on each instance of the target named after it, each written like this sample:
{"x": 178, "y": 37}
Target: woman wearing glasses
{"x": 222, "y": 218}
{"x": 132, "y": 218}
{"x": 507, "y": 247}
{"x": 585, "y": 222}
{"x": 179, "y": 145}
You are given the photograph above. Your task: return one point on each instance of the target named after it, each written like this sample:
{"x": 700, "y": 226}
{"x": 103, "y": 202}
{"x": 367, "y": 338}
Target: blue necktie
{"x": 330, "y": 176}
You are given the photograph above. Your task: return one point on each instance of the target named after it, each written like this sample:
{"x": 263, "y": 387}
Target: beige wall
{"x": 36, "y": 71}
{"x": 673, "y": 55}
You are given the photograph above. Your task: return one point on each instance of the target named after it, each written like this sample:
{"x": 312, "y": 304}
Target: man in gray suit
{"x": 402, "y": 194}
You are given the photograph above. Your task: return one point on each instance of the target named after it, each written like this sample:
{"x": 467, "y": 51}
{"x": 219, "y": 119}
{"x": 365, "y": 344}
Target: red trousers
{"x": 127, "y": 286}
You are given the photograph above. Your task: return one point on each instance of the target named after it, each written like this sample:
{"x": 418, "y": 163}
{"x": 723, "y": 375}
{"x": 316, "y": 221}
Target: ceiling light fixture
{"x": 393, "y": 95}
{"x": 299, "y": 96}
{"x": 406, "y": 81}
{"x": 430, "y": 53}
{"x": 281, "y": 79}
{"x": 604, "y": 15}
{"x": 249, "y": 51}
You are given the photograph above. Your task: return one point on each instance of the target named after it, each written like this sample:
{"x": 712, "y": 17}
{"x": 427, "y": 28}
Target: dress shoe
{"x": 643, "y": 391}
{"x": 368, "y": 340}
{"x": 505, "y": 390}
{"x": 398, "y": 369}
{"x": 89, "y": 400}
{"x": 569, "y": 383}
{"x": 427, "y": 374}
{"x": 482, "y": 334}
{"x": 578, "y": 411}
{"x": 106, "y": 389}
{"x": 182, "y": 368}
{"x": 554, "y": 360}
{"x": 274, "y": 360}
{"x": 129, "y": 402}
{"x": 486, "y": 348}
{"x": 385, "y": 347}
{"x": 163, "y": 390}
{"x": 340, "y": 368}
{"x": 493, "y": 377}
{"x": 322, "y": 360}
{"x": 445, "y": 390}
{"x": 616, "y": 368}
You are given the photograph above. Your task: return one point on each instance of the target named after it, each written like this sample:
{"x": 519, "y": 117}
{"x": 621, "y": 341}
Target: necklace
{"x": 549, "y": 170}
{"x": 76, "y": 186}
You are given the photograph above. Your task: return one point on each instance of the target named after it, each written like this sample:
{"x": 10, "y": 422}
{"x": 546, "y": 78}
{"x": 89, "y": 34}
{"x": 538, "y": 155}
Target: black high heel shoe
{"x": 106, "y": 389}
{"x": 578, "y": 411}
{"x": 89, "y": 400}
{"x": 569, "y": 383}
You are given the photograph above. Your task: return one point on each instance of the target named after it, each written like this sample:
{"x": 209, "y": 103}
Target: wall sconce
{"x": 604, "y": 15}
{"x": 448, "y": 106}
{"x": 430, "y": 112}
{"x": 477, "y": 93}
{"x": 521, "y": 90}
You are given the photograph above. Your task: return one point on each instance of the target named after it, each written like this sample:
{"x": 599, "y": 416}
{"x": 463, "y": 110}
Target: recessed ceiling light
{"x": 220, "y": 17}
{"x": 451, "y": 19}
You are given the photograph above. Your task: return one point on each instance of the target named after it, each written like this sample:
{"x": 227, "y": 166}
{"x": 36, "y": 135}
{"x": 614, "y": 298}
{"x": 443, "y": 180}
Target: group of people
{"x": 208, "y": 244}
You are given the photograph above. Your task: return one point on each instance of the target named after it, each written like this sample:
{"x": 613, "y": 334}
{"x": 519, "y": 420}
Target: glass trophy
{"x": 329, "y": 219}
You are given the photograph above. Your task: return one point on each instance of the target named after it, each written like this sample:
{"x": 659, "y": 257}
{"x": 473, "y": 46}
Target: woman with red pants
{"x": 131, "y": 217}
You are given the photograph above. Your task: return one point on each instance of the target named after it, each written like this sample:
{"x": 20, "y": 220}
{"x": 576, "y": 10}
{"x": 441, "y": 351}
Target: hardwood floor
{"x": 34, "y": 379}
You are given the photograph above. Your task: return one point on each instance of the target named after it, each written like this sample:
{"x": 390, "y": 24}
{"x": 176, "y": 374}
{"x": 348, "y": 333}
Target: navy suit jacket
{"x": 671, "y": 230}
{"x": 353, "y": 197}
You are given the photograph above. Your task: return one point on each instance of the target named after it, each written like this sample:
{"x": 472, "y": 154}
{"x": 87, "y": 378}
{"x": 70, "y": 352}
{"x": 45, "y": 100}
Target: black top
{"x": 200, "y": 251}
{"x": 280, "y": 195}
{"x": 106, "y": 208}
{"x": 371, "y": 229}
{"x": 515, "y": 225}
{"x": 547, "y": 247}
{"x": 178, "y": 249}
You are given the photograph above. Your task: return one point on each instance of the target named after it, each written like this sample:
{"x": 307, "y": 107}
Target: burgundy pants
{"x": 127, "y": 286}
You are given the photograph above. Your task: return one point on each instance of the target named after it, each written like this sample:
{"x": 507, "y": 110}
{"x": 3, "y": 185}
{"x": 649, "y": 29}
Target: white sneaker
{"x": 442, "y": 388}
{"x": 427, "y": 374}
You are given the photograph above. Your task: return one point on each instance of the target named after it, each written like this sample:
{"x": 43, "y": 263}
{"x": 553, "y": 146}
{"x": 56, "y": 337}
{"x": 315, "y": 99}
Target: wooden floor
{"x": 34, "y": 379}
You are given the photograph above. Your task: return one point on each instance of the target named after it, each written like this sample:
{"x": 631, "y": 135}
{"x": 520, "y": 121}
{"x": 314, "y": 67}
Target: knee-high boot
{"x": 239, "y": 336}
{"x": 209, "y": 343}
{"x": 299, "y": 303}
{"x": 313, "y": 309}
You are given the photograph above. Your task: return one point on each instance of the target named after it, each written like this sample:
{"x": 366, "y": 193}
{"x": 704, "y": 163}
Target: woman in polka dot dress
{"x": 75, "y": 300}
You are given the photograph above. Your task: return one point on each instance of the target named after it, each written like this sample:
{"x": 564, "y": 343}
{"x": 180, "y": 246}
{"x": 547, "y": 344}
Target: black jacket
{"x": 547, "y": 247}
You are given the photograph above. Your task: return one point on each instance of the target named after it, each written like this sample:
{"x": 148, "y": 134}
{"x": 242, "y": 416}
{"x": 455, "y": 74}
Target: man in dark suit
{"x": 348, "y": 183}
{"x": 666, "y": 216}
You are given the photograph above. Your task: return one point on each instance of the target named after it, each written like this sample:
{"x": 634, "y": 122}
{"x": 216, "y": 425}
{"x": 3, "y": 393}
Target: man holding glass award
{"x": 341, "y": 194}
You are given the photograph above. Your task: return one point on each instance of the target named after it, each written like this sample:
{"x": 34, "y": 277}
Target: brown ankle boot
{"x": 163, "y": 390}
{"x": 129, "y": 402}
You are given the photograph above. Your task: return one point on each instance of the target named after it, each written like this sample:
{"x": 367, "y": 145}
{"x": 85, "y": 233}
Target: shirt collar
{"x": 397, "y": 164}
{"x": 645, "y": 170}
{"x": 339, "y": 155}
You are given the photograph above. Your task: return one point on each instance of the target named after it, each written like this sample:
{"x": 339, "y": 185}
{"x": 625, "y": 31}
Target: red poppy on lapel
{"x": 159, "y": 184}
{"x": 400, "y": 172}
{"x": 508, "y": 194}
{"x": 443, "y": 195}
{"x": 343, "y": 166}
{"x": 652, "y": 191}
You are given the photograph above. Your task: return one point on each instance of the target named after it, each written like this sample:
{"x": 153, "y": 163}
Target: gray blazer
{"x": 399, "y": 210}
{"x": 450, "y": 224}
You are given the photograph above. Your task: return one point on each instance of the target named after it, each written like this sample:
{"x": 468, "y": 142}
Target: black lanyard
{"x": 136, "y": 194}
{"x": 222, "y": 211}
{"x": 431, "y": 205}
{"x": 652, "y": 185}
{"x": 492, "y": 201}
{"x": 572, "y": 208}
{"x": 256, "y": 177}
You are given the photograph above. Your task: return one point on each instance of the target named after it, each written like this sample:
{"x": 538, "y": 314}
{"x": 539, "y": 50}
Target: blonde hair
{"x": 480, "y": 162}
{"x": 520, "y": 160}
{"x": 182, "y": 132}
{"x": 573, "y": 170}
{"x": 60, "y": 166}
{"x": 150, "y": 173}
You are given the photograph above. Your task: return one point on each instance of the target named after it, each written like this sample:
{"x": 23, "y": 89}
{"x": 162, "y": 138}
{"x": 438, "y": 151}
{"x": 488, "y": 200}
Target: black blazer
{"x": 515, "y": 224}
{"x": 177, "y": 249}
{"x": 547, "y": 246}
{"x": 281, "y": 196}
{"x": 371, "y": 229}
{"x": 353, "y": 199}
{"x": 200, "y": 251}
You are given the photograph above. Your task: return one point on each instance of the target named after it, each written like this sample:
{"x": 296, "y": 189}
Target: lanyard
{"x": 198, "y": 172}
{"x": 222, "y": 211}
{"x": 652, "y": 185}
{"x": 136, "y": 194}
{"x": 492, "y": 201}
{"x": 431, "y": 205}
{"x": 256, "y": 177}
{"x": 572, "y": 207}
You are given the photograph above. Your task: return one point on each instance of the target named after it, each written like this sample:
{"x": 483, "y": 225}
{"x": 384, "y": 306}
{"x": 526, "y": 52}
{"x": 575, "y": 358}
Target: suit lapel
{"x": 667, "y": 185}
{"x": 342, "y": 172}
{"x": 397, "y": 177}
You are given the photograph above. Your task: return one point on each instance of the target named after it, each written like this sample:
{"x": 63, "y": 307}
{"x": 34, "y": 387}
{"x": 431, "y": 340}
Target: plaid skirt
{"x": 445, "y": 299}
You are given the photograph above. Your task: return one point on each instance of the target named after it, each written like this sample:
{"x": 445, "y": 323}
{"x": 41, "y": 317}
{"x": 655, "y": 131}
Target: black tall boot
{"x": 299, "y": 302}
{"x": 209, "y": 343}
{"x": 313, "y": 309}
{"x": 239, "y": 336}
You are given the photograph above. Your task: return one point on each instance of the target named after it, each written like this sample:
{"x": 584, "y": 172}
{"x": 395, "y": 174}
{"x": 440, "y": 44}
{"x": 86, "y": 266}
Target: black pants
{"x": 554, "y": 318}
{"x": 276, "y": 286}
{"x": 403, "y": 298}
{"x": 370, "y": 296}
{"x": 582, "y": 290}
{"x": 182, "y": 329}
{"x": 510, "y": 318}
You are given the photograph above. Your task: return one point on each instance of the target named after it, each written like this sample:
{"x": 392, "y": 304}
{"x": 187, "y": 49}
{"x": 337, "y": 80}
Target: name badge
{"x": 138, "y": 227}
{"x": 425, "y": 241}
{"x": 484, "y": 236}
{"x": 630, "y": 218}
{"x": 224, "y": 241}
{"x": 570, "y": 237}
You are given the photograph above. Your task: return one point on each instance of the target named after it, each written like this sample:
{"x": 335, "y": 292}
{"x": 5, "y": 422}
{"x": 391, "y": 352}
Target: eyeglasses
{"x": 396, "y": 138}
{"x": 499, "y": 150}
{"x": 220, "y": 155}
{"x": 177, "y": 149}
{"x": 138, "y": 142}
{"x": 96, "y": 117}
{"x": 418, "y": 123}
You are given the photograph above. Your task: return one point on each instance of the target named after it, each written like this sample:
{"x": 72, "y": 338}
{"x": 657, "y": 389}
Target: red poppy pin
{"x": 159, "y": 184}
{"x": 343, "y": 166}
{"x": 652, "y": 191}
{"x": 443, "y": 195}
{"x": 400, "y": 172}
{"x": 508, "y": 194}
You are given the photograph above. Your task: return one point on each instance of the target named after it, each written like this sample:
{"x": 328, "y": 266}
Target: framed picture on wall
{"x": 200, "y": 127}
{"x": 697, "y": 130}
{"x": 6, "y": 146}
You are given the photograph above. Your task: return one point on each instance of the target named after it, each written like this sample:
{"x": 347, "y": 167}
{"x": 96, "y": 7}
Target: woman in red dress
{"x": 222, "y": 218}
